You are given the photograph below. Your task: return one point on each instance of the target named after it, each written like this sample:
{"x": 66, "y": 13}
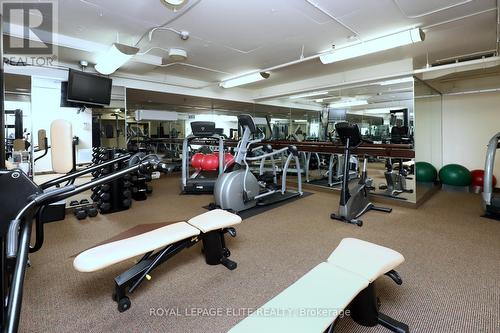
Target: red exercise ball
{"x": 228, "y": 159}
{"x": 210, "y": 162}
{"x": 197, "y": 160}
{"x": 478, "y": 178}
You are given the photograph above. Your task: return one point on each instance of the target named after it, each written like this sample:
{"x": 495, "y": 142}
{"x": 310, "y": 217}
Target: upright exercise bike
{"x": 353, "y": 201}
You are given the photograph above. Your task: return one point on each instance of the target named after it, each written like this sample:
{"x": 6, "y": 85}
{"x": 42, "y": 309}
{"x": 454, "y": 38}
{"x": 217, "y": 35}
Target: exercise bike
{"x": 353, "y": 201}
{"x": 395, "y": 180}
{"x": 238, "y": 189}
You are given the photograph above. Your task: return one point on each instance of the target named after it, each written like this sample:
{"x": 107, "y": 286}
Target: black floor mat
{"x": 324, "y": 183}
{"x": 262, "y": 209}
{"x": 491, "y": 217}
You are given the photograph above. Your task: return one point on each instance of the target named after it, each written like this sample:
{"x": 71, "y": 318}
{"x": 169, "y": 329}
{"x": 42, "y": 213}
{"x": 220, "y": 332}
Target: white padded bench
{"x": 105, "y": 255}
{"x": 329, "y": 287}
{"x": 159, "y": 245}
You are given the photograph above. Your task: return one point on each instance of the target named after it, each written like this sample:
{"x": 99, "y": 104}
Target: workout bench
{"x": 208, "y": 227}
{"x": 346, "y": 279}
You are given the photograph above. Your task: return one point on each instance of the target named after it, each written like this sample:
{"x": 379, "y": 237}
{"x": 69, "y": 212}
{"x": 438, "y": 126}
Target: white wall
{"x": 469, "y": 121}
{"x": 428, "y": 133}
{"x": 45, "y": 108}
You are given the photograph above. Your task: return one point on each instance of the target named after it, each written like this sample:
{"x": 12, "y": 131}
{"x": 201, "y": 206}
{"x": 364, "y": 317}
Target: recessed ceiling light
{"x": 174, "y": 2}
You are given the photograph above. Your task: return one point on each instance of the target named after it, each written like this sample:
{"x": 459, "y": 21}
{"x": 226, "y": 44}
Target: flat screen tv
{"x": 88, "y": 88}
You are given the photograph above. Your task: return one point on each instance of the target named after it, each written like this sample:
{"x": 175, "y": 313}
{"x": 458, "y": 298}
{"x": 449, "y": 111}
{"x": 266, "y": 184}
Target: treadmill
{"x": 201, "y": 182}
{"x": 491, "y": 201}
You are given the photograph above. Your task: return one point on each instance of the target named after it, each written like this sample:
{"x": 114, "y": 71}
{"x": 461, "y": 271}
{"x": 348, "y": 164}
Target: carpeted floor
{"x": 451, "y": 274}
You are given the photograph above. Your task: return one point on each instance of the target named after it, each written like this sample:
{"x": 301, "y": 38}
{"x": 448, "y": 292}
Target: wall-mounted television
{"x": 88, "y": 89}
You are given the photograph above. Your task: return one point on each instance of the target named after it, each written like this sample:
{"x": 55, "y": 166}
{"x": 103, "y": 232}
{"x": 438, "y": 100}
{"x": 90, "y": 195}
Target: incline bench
{"x": 345, "y": 280}
{"x": 208, "y": 227}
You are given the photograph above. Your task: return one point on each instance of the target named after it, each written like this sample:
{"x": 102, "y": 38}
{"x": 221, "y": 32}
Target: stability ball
{"x": 197, "y": 160}
{"x": 478, "y": 178}
{"x": 455, "y": 175}
{"x": 425, "y": 172}
{"x": 210, "y": 162}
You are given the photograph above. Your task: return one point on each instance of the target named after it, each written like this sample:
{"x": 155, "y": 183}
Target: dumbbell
{"x": 127, "y": 176}
{"x": 127, "y": 184}
{"x": 92, "y": 211}
{"x": 127, "y": 194}
{"x": 105, "y": 187}
{"x": 80, "y": 213}
{"x": 104, "y": 207}
{"x": 126, "y": 203}
{"x": 74, "y": 203}
{"x": 105, "y": 196}
{"x": 149, "y": 189}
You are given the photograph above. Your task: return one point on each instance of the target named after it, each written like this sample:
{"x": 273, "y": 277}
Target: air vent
{"x": 475, "y": 56}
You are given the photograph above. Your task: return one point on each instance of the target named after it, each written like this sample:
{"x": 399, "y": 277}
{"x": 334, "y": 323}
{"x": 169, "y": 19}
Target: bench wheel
{"x": 124, "y": 304}
{"x": 226, "y": 253}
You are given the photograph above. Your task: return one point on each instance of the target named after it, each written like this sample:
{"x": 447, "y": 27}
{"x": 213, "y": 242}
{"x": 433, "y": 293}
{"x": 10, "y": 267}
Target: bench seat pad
{"x": 214, "y": 220}
{"x": 326, "y": 288}
{"x": 111, "y": 253}
{"x": 365, "y": 259}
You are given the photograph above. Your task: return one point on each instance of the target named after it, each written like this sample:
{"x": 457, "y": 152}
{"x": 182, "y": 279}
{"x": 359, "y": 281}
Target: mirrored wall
{"x": 385, "y": 116}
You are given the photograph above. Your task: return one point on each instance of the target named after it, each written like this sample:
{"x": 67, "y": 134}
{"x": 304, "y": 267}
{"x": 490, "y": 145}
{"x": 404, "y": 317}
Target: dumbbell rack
{"x": 140, "y": 187}
{"x": 114, "y": 196}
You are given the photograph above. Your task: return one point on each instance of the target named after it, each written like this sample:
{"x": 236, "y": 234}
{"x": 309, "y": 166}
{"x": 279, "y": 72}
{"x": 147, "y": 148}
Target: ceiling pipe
{"x": 301, "y": 60}
{"x": 194, "y": 66}
{"x": 318, "y": 7}
{"x": 363, "y": 82}
{"x": 181, "y": 13}
{"x": 458, "y": 18}
{"x": 431, "y": 11}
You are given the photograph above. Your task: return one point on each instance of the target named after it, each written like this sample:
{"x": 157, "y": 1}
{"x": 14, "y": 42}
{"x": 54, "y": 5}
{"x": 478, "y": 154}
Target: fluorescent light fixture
{"x": 396, "y": 81}
{"x": 375, "y": 45}
{"x": 114, "y": 58}
{"x": 244, "y": 79}
{"x": 278, "y": 120}
{"x": 300, "y": 121}
{"x": 343, "y": 104}
{"x": 310, "y": 94}
{"x": 319, "y": 100}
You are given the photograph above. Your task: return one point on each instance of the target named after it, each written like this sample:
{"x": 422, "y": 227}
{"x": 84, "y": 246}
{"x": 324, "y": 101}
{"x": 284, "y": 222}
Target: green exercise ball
{"x": 455, "y": 174}
{"x": 425, "y": 172}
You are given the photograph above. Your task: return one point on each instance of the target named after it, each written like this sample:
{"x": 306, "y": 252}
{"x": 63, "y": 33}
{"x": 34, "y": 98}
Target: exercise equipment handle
{"x": 12, "y": 233}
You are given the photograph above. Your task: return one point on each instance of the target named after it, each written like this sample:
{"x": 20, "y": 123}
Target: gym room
{"x": 250, "y": 166}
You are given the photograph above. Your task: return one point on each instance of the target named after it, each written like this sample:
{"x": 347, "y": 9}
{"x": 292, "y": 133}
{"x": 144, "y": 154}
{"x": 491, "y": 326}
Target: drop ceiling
{"x": 231, "y": 37}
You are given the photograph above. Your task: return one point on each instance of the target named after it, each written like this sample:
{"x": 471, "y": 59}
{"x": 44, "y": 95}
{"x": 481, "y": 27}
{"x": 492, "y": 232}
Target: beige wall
{"x": 469, "y": 121}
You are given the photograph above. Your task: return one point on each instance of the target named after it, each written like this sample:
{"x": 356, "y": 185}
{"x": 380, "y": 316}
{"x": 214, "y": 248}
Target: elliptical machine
{"x": 353, "y": 201}
{"x": 238, "y": 189}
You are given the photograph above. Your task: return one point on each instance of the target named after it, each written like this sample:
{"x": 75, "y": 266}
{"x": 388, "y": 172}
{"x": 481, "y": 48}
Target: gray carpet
{"x": 451, "y": 274}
